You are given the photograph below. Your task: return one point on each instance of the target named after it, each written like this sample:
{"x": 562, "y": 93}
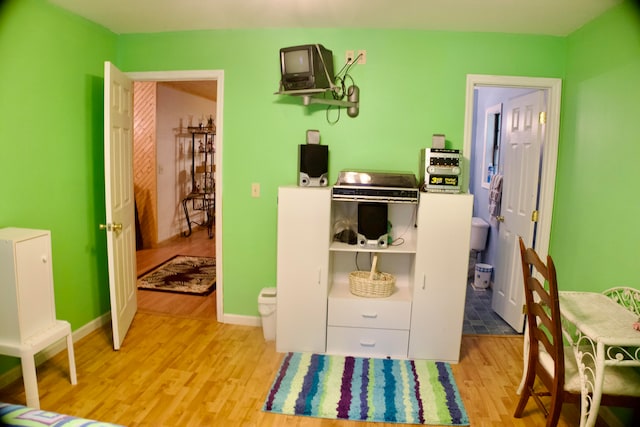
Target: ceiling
{"x": 207, "y": 89}
{"x": 551, "y": 17}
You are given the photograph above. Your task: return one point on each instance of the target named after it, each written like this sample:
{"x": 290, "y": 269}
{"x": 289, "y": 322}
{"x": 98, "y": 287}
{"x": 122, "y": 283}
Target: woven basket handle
{"x": 374, "y": 264}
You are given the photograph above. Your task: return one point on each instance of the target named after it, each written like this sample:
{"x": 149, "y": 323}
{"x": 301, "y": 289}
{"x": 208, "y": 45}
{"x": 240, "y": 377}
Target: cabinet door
{"x": 303, "y": 263}
{"x": 27, "y": 304}
{"x": 36, "y": 305}
{"x": 444, "y": 231}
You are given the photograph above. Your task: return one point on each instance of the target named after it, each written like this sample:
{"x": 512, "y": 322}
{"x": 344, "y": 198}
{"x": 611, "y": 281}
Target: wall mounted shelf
{"x": 309, "y": 97}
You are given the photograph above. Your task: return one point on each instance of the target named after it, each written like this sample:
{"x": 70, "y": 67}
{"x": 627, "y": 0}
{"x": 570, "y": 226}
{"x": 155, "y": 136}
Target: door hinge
{"x": 524, "y": 309}
{"x": 542, "y": 118}
{"x": 534, "y": 216}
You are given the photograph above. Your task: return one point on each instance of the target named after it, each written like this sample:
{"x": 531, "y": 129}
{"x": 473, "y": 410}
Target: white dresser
{"x": 28, "y": 321}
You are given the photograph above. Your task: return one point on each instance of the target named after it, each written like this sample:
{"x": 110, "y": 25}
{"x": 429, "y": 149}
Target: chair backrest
{"x": 543, "y": 319}
{"x": 627, "y": 297}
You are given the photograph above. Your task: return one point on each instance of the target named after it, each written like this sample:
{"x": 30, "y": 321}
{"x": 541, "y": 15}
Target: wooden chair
{"x": 547, "y": 359}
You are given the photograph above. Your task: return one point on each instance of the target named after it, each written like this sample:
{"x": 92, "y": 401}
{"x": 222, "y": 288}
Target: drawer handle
{"x": 370, "y": 315}
{"x": 367, "y": 343}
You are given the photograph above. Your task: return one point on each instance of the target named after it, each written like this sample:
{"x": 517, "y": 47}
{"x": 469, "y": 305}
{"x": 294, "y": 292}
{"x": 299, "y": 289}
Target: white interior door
{"x": 119, "y": 200}
{"x": 522, "y": 156}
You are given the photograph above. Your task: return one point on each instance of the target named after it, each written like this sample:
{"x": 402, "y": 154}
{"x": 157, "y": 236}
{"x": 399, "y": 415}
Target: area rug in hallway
{"x": 182, "y": 274}
{"x": 366, "y": 389}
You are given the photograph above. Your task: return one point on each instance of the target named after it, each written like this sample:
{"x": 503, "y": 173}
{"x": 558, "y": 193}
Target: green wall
{"x": 412, "y": 86}
{"x": 595, "y": 238}
{"x": 51, "y": 173}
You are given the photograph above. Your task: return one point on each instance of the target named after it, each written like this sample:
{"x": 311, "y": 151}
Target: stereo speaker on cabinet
{"x": 313, "y": 165}
{"x": 372, "y": 225}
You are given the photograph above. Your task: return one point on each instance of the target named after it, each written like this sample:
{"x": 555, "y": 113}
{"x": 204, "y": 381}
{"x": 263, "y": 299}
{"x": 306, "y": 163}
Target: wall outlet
{"x": 362, "y": 57}
{"x": 255, "y": 189}
{"x": 349, "y": 57}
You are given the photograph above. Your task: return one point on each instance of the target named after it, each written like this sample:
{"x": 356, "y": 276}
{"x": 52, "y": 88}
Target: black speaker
{"x": 372, "y": 225}
{"x": 313, "y": 165}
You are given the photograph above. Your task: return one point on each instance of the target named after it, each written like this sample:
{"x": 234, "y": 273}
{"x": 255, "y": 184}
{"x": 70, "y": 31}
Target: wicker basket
{"x": 379, "y": 286}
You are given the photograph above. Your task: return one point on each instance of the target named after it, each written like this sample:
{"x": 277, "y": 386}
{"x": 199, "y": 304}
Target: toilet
{"x": 479, "y": 233}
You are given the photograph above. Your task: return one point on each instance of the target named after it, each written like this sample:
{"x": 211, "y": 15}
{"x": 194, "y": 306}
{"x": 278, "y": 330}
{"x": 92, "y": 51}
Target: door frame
{"x": 218, "y": 76}
{"x": 549, "y": 144}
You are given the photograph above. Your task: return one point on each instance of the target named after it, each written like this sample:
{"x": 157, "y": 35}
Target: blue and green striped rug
{"x": 356, "y": 388}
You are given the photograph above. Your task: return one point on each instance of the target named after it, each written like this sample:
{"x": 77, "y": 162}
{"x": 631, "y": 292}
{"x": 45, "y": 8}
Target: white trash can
{"x": 483, "y": 276}
{"x": 267, "y": 303}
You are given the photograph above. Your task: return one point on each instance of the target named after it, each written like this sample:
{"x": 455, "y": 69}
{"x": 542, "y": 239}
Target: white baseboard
{"x": 16, "y": 373}
{"x": 236, "y": 319}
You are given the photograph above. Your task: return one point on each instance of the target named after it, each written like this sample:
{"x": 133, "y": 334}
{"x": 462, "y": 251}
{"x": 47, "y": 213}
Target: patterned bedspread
{"x": 18, "y": 415}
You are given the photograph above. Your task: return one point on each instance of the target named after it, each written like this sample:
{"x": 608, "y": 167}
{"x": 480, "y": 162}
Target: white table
{"x": 604, "y": 336}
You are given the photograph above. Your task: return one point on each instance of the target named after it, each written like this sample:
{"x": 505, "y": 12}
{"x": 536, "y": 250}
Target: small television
{"x": 306, "y": 67}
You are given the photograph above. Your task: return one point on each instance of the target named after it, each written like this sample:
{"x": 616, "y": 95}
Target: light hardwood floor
{"x": 198, "y": 244}
{"x": 179, "y": 367}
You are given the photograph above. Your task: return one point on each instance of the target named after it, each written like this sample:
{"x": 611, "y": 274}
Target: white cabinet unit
{"x": 444, "y": 224}
{"x": 302, "y": 268}
{"x": 27, "y": 307}
{"x": 372, "y": 327}
{"x": 422, "y": 319}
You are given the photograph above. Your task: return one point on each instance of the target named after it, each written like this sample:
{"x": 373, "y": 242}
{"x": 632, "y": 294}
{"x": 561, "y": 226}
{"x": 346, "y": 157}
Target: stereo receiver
{"x": 440, "y": 170}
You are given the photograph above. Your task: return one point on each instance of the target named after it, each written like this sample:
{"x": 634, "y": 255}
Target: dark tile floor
{"x": 479, "y": 318}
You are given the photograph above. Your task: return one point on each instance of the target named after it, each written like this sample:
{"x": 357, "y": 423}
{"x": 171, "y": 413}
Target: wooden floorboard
{"x": 179, "y": 367}
{"x": 178, "y": 371}
{"x": 195, "y": 306}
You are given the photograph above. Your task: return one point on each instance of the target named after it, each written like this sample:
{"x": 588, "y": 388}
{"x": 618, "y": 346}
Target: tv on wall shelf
{"x": 307, "y": 71}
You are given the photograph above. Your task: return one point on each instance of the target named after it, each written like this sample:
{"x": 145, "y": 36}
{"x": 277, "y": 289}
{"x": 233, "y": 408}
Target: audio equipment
{"x": 383, "y": 187}
{"x": 372, "y": 225}
{"x": 313, "y": 165}
{"x": 440, "y": 170}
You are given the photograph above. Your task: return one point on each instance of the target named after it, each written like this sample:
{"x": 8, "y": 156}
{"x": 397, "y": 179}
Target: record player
{"x": 376, "y": 186}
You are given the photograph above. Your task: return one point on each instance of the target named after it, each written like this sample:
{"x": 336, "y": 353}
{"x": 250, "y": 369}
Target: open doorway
{"x": 165, "y": 116}
{"x": 173, "y": 196}
{"x": 486, "y": 96}
{"x": 164, "y": 220}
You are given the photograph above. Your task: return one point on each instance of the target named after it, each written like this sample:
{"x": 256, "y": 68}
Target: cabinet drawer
{"x": 367, "y": 342}
{"x": 369, "y": 313}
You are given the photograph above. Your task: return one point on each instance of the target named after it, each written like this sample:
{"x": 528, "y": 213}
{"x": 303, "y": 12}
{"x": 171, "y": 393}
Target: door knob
{"x": 500, "y": 218}
{"x": 111, "y": 227}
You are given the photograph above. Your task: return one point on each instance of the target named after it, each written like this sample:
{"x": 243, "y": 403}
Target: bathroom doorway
{"x": 487, "y": 99}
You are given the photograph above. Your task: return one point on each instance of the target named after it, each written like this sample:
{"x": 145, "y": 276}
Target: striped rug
{"x": 355, "y": 388}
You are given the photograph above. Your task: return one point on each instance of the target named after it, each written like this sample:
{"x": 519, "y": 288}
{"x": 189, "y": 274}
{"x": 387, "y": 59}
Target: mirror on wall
{"x": 491, "y": 153}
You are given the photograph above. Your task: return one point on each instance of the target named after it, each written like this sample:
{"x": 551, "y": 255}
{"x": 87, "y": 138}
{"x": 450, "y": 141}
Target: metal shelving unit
{"x": 202, "y": 195}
